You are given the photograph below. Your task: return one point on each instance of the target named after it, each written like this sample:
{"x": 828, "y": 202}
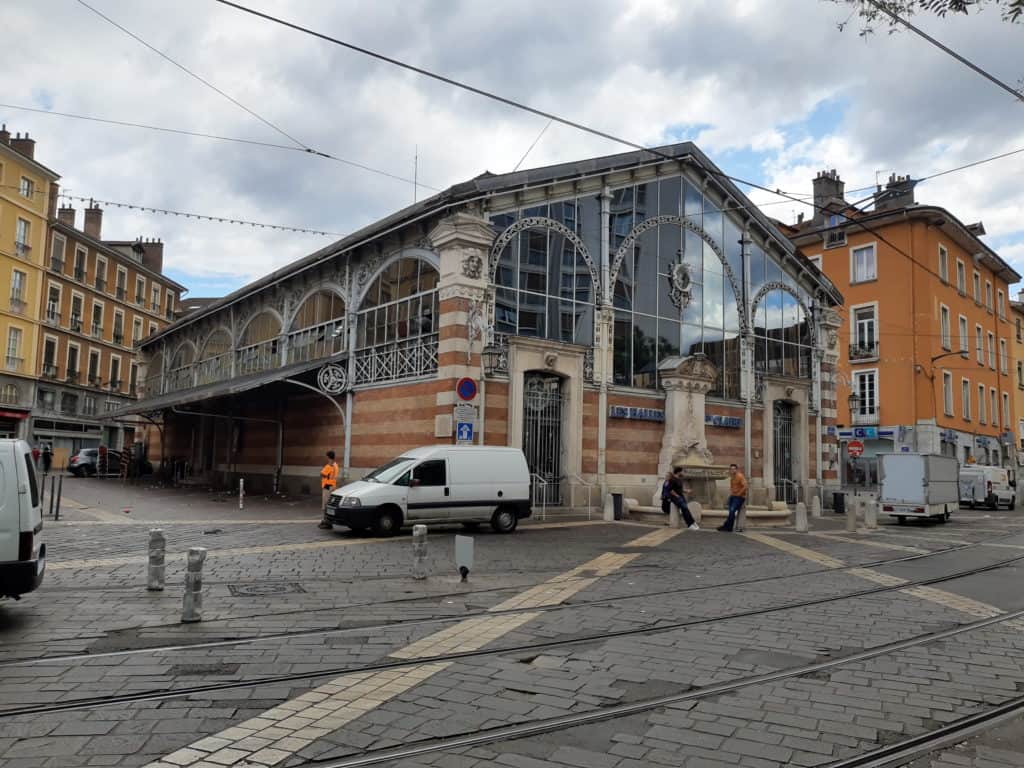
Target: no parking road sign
{"x": 855, "y": 448}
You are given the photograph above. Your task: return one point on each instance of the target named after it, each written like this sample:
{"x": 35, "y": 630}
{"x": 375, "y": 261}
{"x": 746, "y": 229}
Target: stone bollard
{"x": 192, "y": 603}
{"x": 157, "y": 569}
{"x": 419, "y": 551}
{"x": 801, "y": 517}
{"x": 870, "y": 514}
{"x": 815, "y": 506}
{"x": 741, "y": 519}
{"x": 609, "y": 509}
{"x": 241, "y": 493}
{"x": 697, "y": 510}
{"x": 852, "y": 503}
{"x": 673, "y": 517}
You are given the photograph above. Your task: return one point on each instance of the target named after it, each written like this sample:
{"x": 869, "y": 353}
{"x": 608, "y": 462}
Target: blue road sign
{"x": 464, "y": 431}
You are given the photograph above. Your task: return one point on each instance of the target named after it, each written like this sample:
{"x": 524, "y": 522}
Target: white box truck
{"x": 22, "y": 551}
{"x": 918, "y": 485}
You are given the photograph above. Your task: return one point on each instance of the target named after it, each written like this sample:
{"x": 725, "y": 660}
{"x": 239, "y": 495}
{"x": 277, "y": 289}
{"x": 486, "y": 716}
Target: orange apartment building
{"x": 926, "y": 359}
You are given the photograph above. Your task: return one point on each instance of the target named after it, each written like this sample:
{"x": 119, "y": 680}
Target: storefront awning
{"x": 219, "y": 388}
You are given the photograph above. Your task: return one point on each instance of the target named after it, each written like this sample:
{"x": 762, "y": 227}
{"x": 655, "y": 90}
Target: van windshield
{"x": 390, "y": 471}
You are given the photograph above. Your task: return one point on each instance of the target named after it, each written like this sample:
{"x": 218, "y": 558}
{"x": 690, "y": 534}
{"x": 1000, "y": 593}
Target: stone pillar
{"x": 686, "y": 381}
{"x": 463, "y": 241}
{"x": 829, "y": 322}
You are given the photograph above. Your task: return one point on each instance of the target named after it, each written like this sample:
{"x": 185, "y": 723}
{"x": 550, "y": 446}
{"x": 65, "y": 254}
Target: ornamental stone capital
{"x": 462, "y": 230}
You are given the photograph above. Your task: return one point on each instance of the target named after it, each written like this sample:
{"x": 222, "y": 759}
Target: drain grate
{"x": 262, "y": 590}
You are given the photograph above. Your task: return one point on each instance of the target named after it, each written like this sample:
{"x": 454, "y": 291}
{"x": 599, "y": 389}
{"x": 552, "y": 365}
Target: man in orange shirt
{"x": 328, "y": 482}
{"x": 737, "y": 496}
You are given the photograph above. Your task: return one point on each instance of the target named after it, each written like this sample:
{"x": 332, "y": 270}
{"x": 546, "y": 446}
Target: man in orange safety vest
{"x": 328, "y": 482}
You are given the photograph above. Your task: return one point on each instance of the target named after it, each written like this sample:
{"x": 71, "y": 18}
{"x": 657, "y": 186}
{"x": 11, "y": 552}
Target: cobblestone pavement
{"x": 562, "y": 618}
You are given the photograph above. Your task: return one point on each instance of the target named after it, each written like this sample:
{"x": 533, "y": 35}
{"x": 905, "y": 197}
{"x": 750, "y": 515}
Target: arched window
{"x": 180, "y": 373}
{"x": 782, "y": 335}
{"x": 400, "y": 304}
{"x": 318, "y": 328}
{"x": 259, "y": 347}
{"x": 649, "y": 326}
{"x": 154, "y": 372}
{"x": 215, "y": 358}
{"x": 544, "y": 286}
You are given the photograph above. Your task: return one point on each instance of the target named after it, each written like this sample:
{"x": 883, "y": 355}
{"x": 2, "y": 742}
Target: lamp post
{"x": 493, "y": 360}
{"x": 853, "y": 401}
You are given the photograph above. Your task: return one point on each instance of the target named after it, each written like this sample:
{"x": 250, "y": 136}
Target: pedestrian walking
{"x": 47, "y": 457}
{"x": 672, "y": 492}
{"x": 737, "y": 497}
{"x": 328, "y": 482}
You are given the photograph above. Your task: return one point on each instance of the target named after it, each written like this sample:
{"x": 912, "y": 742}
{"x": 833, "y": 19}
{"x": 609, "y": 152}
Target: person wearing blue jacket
{"x": 672, "y": 492}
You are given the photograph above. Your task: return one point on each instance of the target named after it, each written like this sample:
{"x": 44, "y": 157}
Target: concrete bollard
{"x": 157, "y": 569}
{"x": 852, "y": 503}
{"x": 673, "y": 517}
{"x": 697, "y": 510}
{"x": 801, "y": 517}
{"x": 870, "y": 514}
{"x": 192, "y": 603}
{"x": 609, "y": 509}
{"x": 419, "y": 551}
{"x": 815, "y": 506}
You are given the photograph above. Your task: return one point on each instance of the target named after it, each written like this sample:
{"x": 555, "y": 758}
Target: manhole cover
{"x": 260, "y": 590}
{"x": 202, "y": 670}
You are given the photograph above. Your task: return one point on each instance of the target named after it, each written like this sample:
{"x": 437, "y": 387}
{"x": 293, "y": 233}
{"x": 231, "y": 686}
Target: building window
{"x": 156, "y": 298}
{"x": 22, "y": 235}
{"x": 136, "y": 330}
{"x": 94, "y": 367}
{"x": 121, "y": 285}
{"x": 9, "y": 394}
{"x": 865, "y": 338}
{"x": 97, "y": 321}
{"x": 115, "y": 372}
{"x": 995, "y": 407}
{"x": 947, "y": 392}
{"x": 76, "y": 313}
{"x": 1004, "y": 360}
{"x": 27, "y": 188}
{"x": 965, "y": 342}
{"x": 864, "y": 264}
{"x": 991, "y": 350}
{"x": 981, "y": 403}
{"x": 947, "y": 341}
{"x": 1020, "y": 331}
{"x": 943, "y": 264}
{"x": 18, "y": 282}
{"x": 1001, "y": 304}
{"x": 979, "y": 344}
{"x": 50, "y": 358}
{"x": 140, "y": 291}
{"x": 80, "y": 256}
{"x": 988, "y": 295}
{"x": 57, "y": 253}
{"x": 965, "y": 396}
{"x": 977, "y": 288}
{"x": 1020, "y": 374}
{"x": 101, "y": 275}
{"x": 961, "y": 278}
{"x": 865, "y": 384}
{"x": 1006, "y": 410}
{"x": 72, "y": 364}
{"x": 14, "y": 359}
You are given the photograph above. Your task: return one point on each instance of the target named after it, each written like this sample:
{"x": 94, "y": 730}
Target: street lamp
{"x": 493, "y": 359}
{"x": 854, "y": 402}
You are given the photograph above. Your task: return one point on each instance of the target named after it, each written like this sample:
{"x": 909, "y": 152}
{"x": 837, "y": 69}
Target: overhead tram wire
{"x": 541, "y": 113}
{"x": 217, "y": 137}
{"x": 946, "y": 49}
{"x": 195, "y": 76}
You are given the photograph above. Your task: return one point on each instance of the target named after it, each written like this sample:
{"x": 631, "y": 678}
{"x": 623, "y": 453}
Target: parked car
{"x": 918, "y": 485}
{"x": 991, "y": 486}
{"x": 87, "y": 462}
{"x": 438, "y": 484}
{"x": 22, "y": 551}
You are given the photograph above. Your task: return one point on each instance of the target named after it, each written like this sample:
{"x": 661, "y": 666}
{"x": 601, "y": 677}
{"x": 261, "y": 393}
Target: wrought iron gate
{"x": 785, "y": 487}
{"x": 542, "y": 436}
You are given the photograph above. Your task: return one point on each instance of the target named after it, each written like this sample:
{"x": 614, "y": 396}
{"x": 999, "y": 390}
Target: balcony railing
{"x": 89, "y": 408}
{"x": 863, "y": 351}
{"x": 120, "y": 293}
{"x": 118, "y": 338}
{"x": 18, "y": 305}
{"x": 865, "y": 416}
{"x": 399, "y": 360}
{"x": 94, "y": 379}
{"x": 72, "y": 377}
{"x": 49, "y": 370}
{"x": 75, "y": 324}
{"x": 835, "y": 238}
{"x": 141, "y": 301}
{"x": 56, "y": 265}
{"x": 317, "y": 342}
{"x": 169, "y": 314}
{"x": 97, "y": 331}
{"x": 115, "y": 384}
{"x": 80, "y": 274}
{"x": 213, "y": 369}
{"x": 101, "y": 284}
{"x": 53, "y": 315}
{"x": 258, "y": 357}
{"x": 22, "y": 250}
{"x": 181, "y": 378}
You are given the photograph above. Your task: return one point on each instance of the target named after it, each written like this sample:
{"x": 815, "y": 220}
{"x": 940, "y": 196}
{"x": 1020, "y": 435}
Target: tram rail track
{"x": 175, "y": 693}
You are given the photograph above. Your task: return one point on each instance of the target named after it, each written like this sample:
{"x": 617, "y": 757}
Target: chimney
{"x": 153, "y": 255}
{"x": 5, "y": 135}
{"x": 898, "y": 193}
{"x": 25, "y": 146}
{"x": 828, "y": 188}
{"x": 93, "y": 220}
{"x": 66, "y": 215}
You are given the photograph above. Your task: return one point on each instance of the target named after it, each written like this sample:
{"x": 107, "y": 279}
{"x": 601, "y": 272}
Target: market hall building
{"x": 617, "y": 316}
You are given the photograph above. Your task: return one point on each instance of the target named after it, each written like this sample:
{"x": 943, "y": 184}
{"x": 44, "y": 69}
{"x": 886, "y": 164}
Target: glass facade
{"x": 543, "y": 287}
{"x": 400, "y": 304}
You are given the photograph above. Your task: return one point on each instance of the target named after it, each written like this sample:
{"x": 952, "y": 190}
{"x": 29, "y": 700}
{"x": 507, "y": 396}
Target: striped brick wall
{"x": 591, "y": 404}
{"x": 392, "y": 419}
{"x": 726, "y": 444}
{"x": 633, "y": 446}
{"x": 496, "y": 418}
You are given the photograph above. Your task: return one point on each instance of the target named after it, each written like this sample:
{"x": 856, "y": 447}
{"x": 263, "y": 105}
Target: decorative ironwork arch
{"x": 544, "y": 223}
{"x": 776, "y": 285}
{"x": 248, "y": 321}
{"x": 300, "y": 300}
{"x": 202, "y": 353}
{"x": 682, "y": 223}
{"x": 182, "y": 345}
{"x": 375, "y": 267}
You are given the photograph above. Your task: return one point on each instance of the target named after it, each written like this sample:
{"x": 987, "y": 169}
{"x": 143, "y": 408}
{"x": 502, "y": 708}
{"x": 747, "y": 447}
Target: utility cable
{"x": 945, "y": 49}
{"x": 534, "y": 144}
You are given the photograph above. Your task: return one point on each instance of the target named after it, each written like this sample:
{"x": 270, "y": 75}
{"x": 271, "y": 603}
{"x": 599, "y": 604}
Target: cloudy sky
{"x": 769, "y": 89}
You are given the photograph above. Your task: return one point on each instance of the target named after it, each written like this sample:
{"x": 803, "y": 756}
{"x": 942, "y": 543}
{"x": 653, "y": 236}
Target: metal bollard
{"x": 157, "y": 569}
{"x": 60, "y": 491}
{"x": 851, "y": 513}
{"x": 673, "y": 517}
{"x": 870, "y": 514}
{"x": 192, "y": 602}
{"x": 419, "y": 551}
{"x": 241, "y": 493}
{"x": 53, "y": 484}
{"x": 801, "y": 517}
{"x": 815, "y": 506}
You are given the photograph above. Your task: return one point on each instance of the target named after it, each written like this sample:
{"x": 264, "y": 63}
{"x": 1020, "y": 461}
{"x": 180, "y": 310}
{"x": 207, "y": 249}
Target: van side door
{"x": 429, "y": 492}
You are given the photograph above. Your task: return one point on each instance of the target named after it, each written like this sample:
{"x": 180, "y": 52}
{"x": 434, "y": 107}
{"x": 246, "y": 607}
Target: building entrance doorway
{"x": 785, "y": 487}
{"x": 543, "y": 403}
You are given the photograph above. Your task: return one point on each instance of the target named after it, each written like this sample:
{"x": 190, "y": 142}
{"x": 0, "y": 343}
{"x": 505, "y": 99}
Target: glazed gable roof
{"x": 488, "y": 185}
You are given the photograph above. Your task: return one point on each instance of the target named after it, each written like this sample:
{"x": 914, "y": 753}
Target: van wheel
{"x": 504, "y": 520}
{"x": 388, "y": 522}
{"x": 901, "y": 519}
{"x": 993, "y": 502}
{"x": 1013, "y": 502}
{"x": 971, "y": 505}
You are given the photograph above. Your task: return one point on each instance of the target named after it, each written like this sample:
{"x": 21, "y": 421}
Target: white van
{"x": 438, "y": 484}
{"x": 22, "y": 553}
{"x": 991, "y": 486}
